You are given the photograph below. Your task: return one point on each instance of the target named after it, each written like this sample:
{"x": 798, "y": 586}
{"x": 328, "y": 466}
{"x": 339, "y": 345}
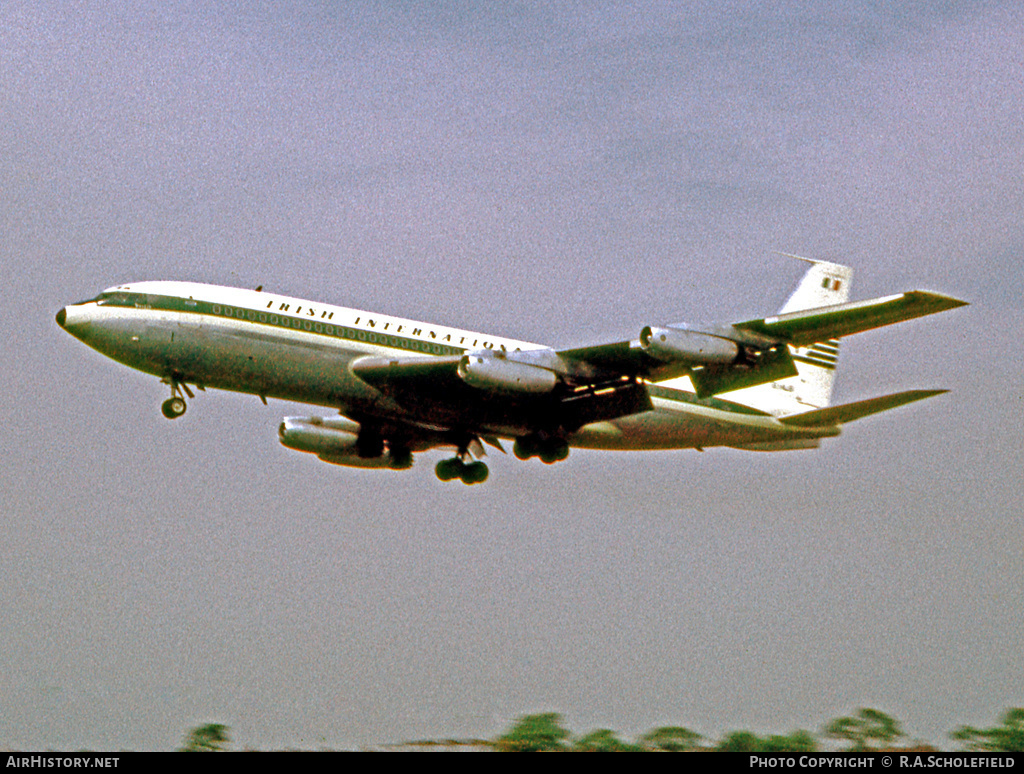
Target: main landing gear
{"x": 468, "y": 472}
{"x": 175, "y": 406}
{"x": 370, "y": 445}
{"x": 550, "y": 449}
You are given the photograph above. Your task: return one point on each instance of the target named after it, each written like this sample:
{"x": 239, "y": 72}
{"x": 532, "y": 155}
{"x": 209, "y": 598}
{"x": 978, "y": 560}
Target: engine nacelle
{"x": 680, "y": 345}
{"x": 332, "y": 439}
{"x": 487, "y": 371}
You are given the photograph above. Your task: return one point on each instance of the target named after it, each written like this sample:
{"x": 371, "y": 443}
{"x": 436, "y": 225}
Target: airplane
{"x": 402, "y": 387}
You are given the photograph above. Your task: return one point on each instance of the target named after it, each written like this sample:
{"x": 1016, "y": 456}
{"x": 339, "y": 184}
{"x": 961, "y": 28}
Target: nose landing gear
{"x": 175, "y": 406}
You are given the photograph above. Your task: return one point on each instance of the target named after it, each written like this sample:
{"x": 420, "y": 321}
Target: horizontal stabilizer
{"x": 833, "y": 322}
{"x": 838, "y": 415}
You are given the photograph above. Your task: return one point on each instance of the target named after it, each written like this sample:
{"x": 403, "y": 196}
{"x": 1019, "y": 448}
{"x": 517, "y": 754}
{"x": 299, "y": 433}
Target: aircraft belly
{"x": 130, "y": 338}
{"x": 271, "y": 367}
{"x": 221, "y": 358}
{"x": 679, "y": 426}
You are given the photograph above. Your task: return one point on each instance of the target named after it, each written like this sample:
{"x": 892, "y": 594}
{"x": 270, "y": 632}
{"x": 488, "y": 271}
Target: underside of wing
{"x": 491, "y": 393}
{"x": 747, "y": 364}
{"x": 621, "y": 356}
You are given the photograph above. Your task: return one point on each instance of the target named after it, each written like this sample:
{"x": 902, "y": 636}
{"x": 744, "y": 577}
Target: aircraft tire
{"x": 524, "y": 449}
{"x": 554, "y": 452}
{"x": 172, "y": 408}
{"x": 474, "y": 473}
{"x": 448, "y": 470}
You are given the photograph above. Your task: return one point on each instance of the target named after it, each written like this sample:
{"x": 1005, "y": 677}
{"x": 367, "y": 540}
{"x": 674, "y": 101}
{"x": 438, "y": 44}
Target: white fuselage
{"x": 275, "y": 346}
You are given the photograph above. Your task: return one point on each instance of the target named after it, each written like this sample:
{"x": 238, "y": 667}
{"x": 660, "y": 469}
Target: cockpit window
{"x": 113, "y": 299}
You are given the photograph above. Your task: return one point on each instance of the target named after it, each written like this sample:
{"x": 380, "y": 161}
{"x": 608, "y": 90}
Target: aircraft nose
{"x": 62, "y": 315}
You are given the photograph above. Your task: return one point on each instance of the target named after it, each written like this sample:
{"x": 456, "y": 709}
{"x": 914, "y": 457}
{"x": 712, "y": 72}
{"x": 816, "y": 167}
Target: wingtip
{"x": 952, "y": 303}
{"x": 913, "y": 395}
{"x": 940, "y": 300}
{"x": 922, "y": 394}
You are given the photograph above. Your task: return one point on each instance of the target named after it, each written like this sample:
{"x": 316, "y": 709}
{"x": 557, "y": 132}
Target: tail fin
{"x": 824, "y": 284}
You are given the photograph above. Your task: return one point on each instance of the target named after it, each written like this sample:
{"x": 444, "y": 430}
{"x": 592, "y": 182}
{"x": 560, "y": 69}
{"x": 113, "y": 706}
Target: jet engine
{"x": 686, "y": 346}
{"x": 495, "y": 372}
{"x": 332, "y": 439}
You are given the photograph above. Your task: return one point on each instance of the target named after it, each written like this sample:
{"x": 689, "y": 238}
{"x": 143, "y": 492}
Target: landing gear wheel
{"x": 474, "y": 473}
{"x": 554, "y": 452}
{"x": 173, "y": 408}
{"x": 524, "y": 448}
{"x": 468, "y": 473}
{"x": 447, "y": 470}
{"x": 550, "y": 449}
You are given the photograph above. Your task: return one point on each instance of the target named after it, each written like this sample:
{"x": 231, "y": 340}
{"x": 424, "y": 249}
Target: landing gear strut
{"x": 370, "y": 445}
{"x": 400, "y": 458}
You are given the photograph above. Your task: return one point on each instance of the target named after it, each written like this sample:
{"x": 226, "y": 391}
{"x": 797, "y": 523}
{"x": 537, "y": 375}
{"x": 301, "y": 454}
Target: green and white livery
{"x": 402, "y": 387}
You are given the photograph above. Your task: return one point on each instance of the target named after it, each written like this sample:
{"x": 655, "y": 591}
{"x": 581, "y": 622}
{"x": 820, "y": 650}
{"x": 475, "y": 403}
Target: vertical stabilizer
{"x": 824, "y": 284}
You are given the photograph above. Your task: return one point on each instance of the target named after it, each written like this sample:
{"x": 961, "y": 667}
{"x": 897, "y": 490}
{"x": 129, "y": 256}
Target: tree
{"x": 603, "y": 740}
{"x": 867, "y": 728}
{"x": 671, "y": 739}
{"x": 739, "y": 741}
{"x": 747, "y": 742}
{"x": 212, "y": 737}
{"x": 1008, "y": 737}
{"x": 798, "y": 741}
{"x": 534, "y": 733}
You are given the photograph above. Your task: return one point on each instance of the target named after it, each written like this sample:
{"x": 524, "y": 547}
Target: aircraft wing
{"x": 761, "y": 346}
{"x": 833, "y": 322}
{"x": 519, "y": 392}
{"x": 626, "y": 357}
{"x": 767, "y": 362}
{"x": 505, "y": 396}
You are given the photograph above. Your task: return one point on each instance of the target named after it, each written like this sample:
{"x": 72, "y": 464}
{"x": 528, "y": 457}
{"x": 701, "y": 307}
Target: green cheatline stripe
{"x": 681, "y": 396}
{"x": 276, "y": 320}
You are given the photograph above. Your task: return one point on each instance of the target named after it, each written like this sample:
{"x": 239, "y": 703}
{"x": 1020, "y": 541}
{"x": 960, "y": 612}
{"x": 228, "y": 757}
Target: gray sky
{"x": 562, "y": 173}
